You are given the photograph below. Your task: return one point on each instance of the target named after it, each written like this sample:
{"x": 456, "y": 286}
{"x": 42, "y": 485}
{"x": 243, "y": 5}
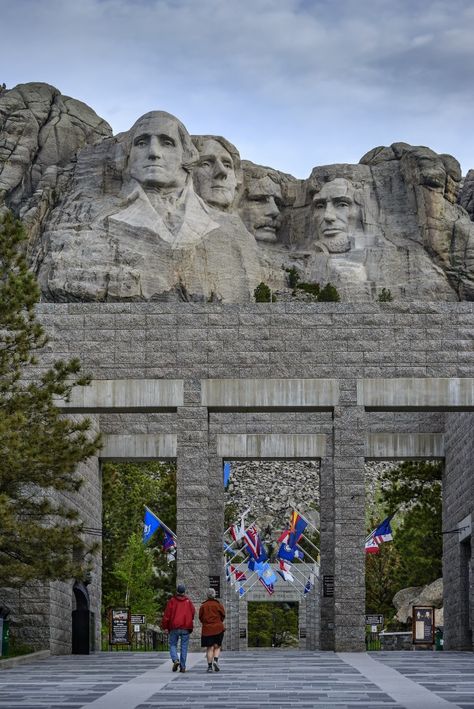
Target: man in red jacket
{"x": 178, "y": 620}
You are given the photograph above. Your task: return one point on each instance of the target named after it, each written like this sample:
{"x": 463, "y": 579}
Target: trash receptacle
{"x": 439, "y": 639}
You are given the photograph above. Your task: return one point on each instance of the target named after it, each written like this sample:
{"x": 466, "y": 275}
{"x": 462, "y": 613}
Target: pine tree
{"x": 40, "y": 533}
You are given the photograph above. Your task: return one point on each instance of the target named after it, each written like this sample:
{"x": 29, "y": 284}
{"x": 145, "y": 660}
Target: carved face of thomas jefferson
{"x": 156, "y": 153}
{"x": 214, "y": 176}
{"x": 333, "y": 213}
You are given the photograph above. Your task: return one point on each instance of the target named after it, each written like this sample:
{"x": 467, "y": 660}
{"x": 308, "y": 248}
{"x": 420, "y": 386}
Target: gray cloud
{"x": 301, "y": 79}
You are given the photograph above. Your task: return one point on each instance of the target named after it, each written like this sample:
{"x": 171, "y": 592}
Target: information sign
{"x": 137, "y": 619}
{"x": 423, "y": 625}
{"x": 215, "y": 583}
{"x": 328, "y": 586}
{"x": 374, "y": 619}
{"x": 119, "y": 626}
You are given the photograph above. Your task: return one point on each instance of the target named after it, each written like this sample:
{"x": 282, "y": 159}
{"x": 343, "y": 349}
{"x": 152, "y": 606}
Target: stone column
{"x": 192, "y": 498}
{"x": 327, "y": 552}
{"x": 349, "y": 523}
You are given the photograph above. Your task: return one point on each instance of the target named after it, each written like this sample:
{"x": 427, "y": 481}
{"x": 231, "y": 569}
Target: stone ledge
{"x": 24, "y": 659}
{"x": 268, "y": 445}
{"x": 270, "y": 393}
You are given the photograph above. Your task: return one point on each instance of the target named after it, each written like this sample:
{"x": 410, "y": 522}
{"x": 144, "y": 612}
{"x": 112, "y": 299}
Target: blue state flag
{"x": 150, "y": 524}
{"x": 226, "y": 473}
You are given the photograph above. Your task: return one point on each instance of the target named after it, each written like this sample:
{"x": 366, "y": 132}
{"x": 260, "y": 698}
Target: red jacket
{"x": 211, "y": 615}
{"x": 179, "y": 614}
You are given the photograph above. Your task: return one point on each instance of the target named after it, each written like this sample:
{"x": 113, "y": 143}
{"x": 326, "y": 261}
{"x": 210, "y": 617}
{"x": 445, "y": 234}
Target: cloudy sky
{"x": 293, "y": 83}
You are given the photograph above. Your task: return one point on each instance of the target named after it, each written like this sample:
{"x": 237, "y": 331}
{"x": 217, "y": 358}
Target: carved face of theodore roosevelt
{"x": 158, "y": 152}
{"x": 260, "y": 208}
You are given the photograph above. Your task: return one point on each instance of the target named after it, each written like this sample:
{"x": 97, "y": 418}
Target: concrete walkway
{"x": 251, "y": 680}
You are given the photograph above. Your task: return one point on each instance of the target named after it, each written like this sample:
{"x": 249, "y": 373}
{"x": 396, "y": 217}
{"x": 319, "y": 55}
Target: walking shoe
{"x": 182, "y": 669}
{"x": 175, "y": 665}
{"x": 209, "y": 668}
{"x": 216, "y": 666}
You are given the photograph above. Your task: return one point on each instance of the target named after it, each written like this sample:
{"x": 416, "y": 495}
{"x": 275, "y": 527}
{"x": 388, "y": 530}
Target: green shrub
{"x": 329, "y": 294}
{"x": 310, "y": 288}
{"x": 385, "y": 295}
{"x": 293, "y": 276}
{"x": 263, "y": 294}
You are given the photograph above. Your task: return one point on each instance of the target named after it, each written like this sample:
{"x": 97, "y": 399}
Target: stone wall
{"x": 274, "y": 344}
{"x": 458, "y": 511}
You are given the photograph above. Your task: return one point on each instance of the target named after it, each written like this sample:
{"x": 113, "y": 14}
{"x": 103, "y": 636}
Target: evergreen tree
{"x": 135, "y": 572}
{"x": 127, "y": 487}
{"x": 263, "y": 294}
{"x": 40, "y": 533}
{"x": 329, "y": 294}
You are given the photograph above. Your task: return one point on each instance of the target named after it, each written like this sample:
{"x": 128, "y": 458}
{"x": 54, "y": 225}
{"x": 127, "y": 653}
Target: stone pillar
{"x": 192, "y": 498}
{"x": 310, "y": 605}
{"x": 349, "y": 523}
{"x": 243, "y": 624}
{"x": 216, "y": 515}
{"x": 327, "y": 552}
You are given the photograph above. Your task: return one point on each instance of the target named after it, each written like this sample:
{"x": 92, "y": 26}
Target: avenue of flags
{"x": 151, "y": 524}
{"x": 255, "y": 566}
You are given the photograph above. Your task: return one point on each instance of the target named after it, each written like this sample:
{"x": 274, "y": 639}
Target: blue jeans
{"x": 174, "y": 636}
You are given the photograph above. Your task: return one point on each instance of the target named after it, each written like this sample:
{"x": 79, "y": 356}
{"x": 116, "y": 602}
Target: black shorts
{"x": 210, "y": 640}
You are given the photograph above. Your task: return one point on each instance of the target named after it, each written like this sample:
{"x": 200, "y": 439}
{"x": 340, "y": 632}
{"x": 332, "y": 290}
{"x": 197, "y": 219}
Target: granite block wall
{"x": 458, "y": 511}
{"x": 280, "y": 340}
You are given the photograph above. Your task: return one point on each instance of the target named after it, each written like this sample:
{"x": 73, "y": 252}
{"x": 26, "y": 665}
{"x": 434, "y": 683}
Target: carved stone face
{"x": 214, "y": 176}
{"x": 156, "y": 155}
{"x": 260, "y": 209}
{"x": 333, "y": 210}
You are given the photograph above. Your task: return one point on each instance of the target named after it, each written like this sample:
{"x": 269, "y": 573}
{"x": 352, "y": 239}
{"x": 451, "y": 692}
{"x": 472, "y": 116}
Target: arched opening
{"x": 82, "y": 621}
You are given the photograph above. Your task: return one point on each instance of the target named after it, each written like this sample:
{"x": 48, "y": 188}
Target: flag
{"x": 269, "y": 588}
{"x": 285, "y": 571}
{"x": 382, "y": 533}
{"x": 169, "y": 542}
{"x": 238, "y": 574}
{"x": 150, "y": 524}
{"x": 253, "y": 544}
{"x": 283, "y": 536}
{"x": 237, "y": 531}
{"x": 226, "y": 473}
{"x": 297, "y": 526}
{"x": 309, "y": 584}
{"x": 287, "y": 553}
{"x": 371, "y": 546}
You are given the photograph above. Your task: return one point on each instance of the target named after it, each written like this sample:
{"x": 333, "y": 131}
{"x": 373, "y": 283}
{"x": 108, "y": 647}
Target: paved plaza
{"x": 250, "y": 680}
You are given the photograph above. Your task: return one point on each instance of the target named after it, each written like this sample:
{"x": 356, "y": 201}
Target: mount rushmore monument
{"x": 158, "y": 214}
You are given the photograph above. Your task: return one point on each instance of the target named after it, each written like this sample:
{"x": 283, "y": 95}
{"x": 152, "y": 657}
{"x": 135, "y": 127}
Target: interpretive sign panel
{"x": 328, "y": 586}
{"x": 137, "y": 619}
{"x": 215, "y": 583}
{"x": 423, "y": 625}
{"x": 119, "y": 626}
